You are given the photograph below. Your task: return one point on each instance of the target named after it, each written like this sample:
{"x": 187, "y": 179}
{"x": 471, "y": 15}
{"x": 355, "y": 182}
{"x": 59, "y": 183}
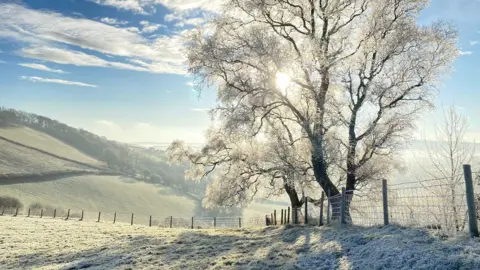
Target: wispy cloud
{"x": 46, "y": 80}
{"x": 148, "y": 6}
{"x": 199, "y": 109}
{"x": 2, "y": 62}
{"x": 148, "y": 27}
{"x": 465, "y": 52}
{"x": 191, "y": 84}
{"x": 42, "y": 29}
{"x": 41, "y": 67}
{"x": 113, "y": 21}
{"x": 107, "y": 123}
{"x": 473, "y": 42}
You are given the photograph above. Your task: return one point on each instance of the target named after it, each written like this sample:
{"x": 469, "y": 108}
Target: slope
{"x": 42, "y": 141}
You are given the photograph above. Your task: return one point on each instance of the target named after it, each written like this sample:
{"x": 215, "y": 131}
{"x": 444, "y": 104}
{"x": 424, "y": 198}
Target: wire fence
{"x": 440, "y": 204}
{"x": 192, "y": 222}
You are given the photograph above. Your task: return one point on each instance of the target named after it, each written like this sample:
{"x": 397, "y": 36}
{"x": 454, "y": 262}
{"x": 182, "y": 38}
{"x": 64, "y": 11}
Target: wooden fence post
{"x": 275, "y": 217}
{"x": 16, "y": 212}
{"x": 306, "y": 210}
{"x": 55, "y": 213}
{"x": 192, "y": 222}
{"x": 271, "y": 219}
{"x": 239, "y": 222}
{"x": 41, "y": 213}
{"x": 99, "y": 214}
{"x": 343, "y": 206}
{"x": 171, "y": 221}
{"x": 68, "y": 214}
{"x": 472, "y": 217}
{"x": 3, "y": 211}
{"x": 266, "y": 220}
{"x": 150, "y": 221}
{"x": 214, "y": 222}
{"x": 320, "y": 219}
{"x": 281, "y": 216}
{"x": 131, "y": 220}
{"x": 385, "y": 202}
{"x": 114, "y": 217}
{"x": 329, "y": 206}
{"x": 81, "y": 218}
{"x": 288, "y": 215}
{"x": 28, "y": 212}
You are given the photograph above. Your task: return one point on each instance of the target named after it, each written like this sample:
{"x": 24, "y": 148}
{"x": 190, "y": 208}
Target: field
{"x": 16, "y": 159}
{"x": 42, "y": 141}
{"x": 35, "y": 243}
{"x": 108, "y": 194}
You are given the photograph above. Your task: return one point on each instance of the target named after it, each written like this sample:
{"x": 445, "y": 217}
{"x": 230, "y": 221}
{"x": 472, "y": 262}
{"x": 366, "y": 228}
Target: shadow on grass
{"x": 271, "y": 248}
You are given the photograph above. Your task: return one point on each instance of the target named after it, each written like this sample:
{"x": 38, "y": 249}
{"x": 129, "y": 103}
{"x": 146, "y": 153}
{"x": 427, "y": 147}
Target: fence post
{"x": 271, "y": 219}
{"x": 171, "y": 221}
{"x": 150, "y": 221}
{"x": 275, "y": 217}
{"x": 288, "y": 216}
{"x": 114, "y": 217}
{"x": 266, "y": 220}
{"x": 385, "y": 202}
{"x": 343, "y": 206}
{"x": 306, "y": 210}
{"x": 28, "y": 212}
{"x": 320, "y": 219}
{"x": 3, "y": 210}
{"x": 68, "y": 214}
{"x": 472, "y": 219}
{"x": 99, "y": 213}
{"x": 41, "y": 213}
{"x": 192, "y": 222}
{"x": 239, "y": 222}
{"x": 16, "y": 212}
{"x": 329, "y": 206}
{"x": 55, "y": 213}
{"x": 81, "y": 218}
{"x": 281, "y": 216}
{"x": 131, "y": 220}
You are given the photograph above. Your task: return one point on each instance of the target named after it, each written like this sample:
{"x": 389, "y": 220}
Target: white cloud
{"x": 42, "y": 29}
{"x": 148, "y": 27}
{"x": 2, "y": 62}
{"x": 473, "y": 42}
{"x": 191, "y": 84}
{"x": 108, "y": 124}
{"x": 46, "y": 80}
{"x": 148, "y": 6}
{"x": 113, "y": 21}
{"x": 133, "y": 29}
{"x": 465, "y": 52}
{"x": 199, "y": 109}
{"x": 190, "y": 21}
{"x": 41, "y": 67}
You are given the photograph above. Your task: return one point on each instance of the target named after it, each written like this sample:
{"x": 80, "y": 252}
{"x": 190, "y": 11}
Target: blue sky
{"x": 116, "y": 67}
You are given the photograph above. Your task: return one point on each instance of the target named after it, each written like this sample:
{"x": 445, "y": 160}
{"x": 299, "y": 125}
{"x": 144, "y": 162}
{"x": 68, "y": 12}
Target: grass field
{"x": 16, "y": 159}
{"x": 39, "y": 140}
{"x": 33, "y": 243}
{"x": 107, "y": 194}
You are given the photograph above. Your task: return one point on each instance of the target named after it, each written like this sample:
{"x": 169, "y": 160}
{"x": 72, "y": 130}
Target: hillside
{"x": 76, "y": 245}
{"x": 42, "y": 141}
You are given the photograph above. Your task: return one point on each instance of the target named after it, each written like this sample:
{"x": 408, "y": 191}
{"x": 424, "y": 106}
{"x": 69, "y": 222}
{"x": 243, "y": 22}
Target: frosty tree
{"x": 347, "y": 76}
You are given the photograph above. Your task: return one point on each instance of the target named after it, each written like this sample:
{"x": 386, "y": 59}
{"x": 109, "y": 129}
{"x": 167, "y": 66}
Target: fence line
{"x": 446, "y": 204}
{"x": 196, "y": 222}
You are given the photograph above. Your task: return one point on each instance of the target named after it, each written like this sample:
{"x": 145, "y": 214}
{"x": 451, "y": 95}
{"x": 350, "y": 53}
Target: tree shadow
{"x": 299, "y": 247}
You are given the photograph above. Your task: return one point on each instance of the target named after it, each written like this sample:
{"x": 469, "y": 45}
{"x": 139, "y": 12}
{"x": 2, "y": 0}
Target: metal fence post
{"x": 320, "y": 219}
{"x": 150, "y": 221}
{"x": 288, "y": 215}
{"x": 41, "y": 213}
{"x": 343, "y": 206}
{"x": 306, "y": 210}
{"x": 99, "y": 213}
{"x": 329, "y": 206}
{"x": 114, "y": 217}
{"x": 81, "y": 218}
{"x": 385, "y": 202}
{"x": 472, "y": 218}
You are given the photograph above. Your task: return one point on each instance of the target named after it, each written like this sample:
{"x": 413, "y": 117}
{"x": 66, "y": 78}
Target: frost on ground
{"x": 34, "y": 243}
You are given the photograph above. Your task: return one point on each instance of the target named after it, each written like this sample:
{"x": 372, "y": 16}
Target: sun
{"x": 282, "y": 80}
